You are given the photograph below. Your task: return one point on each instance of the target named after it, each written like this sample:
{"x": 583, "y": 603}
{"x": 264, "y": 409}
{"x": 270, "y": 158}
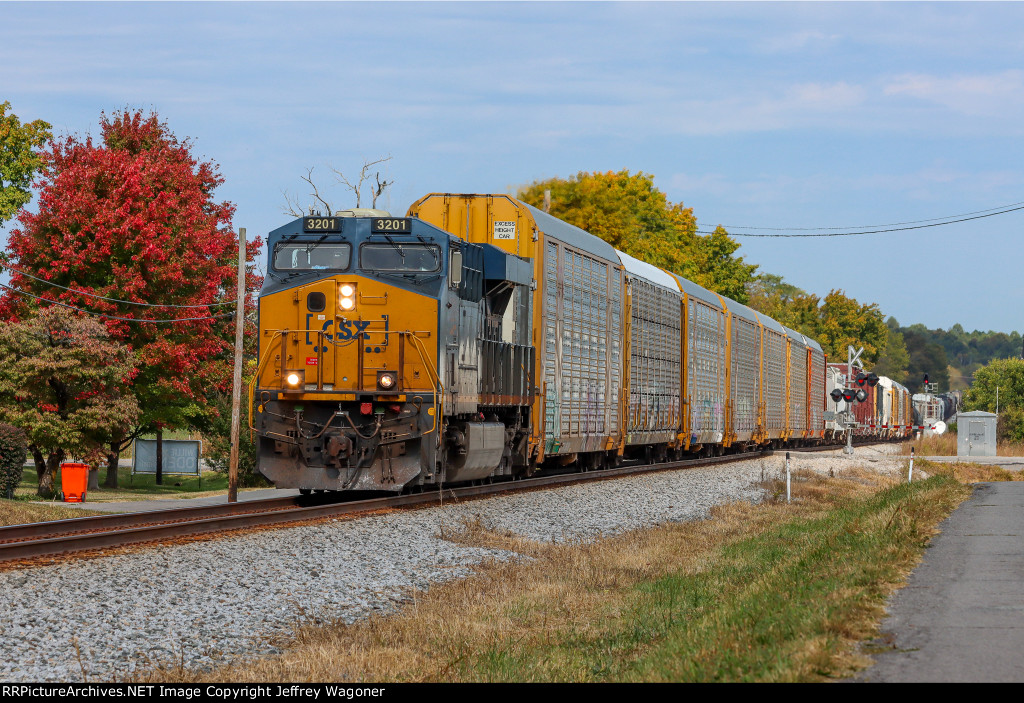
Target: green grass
{"x": 779, "y": 606}
{"x": 16, "y": 512}
{"x": 138, "y": 487}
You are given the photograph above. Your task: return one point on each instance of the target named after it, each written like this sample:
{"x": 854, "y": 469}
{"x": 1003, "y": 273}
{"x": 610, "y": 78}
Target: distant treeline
{"x": 950, "y": 357}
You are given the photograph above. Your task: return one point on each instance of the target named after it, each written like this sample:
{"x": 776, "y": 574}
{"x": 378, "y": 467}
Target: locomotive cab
{"x": 360, "y": 319}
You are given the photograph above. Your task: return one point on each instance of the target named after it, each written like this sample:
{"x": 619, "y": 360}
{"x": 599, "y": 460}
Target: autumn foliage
{"x": 65, "y": 382}
{"x": 628, "y": 212}
{"x": 131, "y": 217}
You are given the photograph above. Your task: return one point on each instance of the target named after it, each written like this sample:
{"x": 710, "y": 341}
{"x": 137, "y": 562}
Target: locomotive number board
{"x": 321, "y": 224}
{"x": 401, "y": 225}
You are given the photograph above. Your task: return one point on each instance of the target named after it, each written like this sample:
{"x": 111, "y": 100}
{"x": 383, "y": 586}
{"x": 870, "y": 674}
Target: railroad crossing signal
{"x": 866, "y": 379}
{"x": 849, "y": 395}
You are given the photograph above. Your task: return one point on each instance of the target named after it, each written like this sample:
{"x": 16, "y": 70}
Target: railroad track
{"x": 60, "y": 537}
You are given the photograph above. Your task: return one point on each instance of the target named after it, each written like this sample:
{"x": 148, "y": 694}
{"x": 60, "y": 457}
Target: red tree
{"x": 133, "y": 219}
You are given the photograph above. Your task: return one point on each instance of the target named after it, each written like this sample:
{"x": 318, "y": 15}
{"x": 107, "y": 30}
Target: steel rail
{"x": 54, "y": 528}
{"x": 20, "y": 542}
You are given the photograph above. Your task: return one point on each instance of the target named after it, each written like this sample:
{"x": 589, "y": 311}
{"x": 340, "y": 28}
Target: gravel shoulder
{"x": 202, "y": 603}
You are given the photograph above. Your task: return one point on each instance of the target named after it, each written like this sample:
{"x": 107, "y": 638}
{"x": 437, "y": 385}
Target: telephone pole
{"x": 236, "y": 388}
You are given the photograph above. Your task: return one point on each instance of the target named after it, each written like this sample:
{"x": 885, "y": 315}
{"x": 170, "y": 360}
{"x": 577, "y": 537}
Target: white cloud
{"x": 990, "y": 94}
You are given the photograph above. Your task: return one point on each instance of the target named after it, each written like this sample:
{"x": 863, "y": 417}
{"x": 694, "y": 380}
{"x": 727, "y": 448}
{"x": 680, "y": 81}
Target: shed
{"x": 976, "y": 434}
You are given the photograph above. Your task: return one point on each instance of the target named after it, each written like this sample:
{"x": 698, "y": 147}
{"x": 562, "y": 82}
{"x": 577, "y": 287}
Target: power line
{"x": 113, "y": 317}
{"x": 890, "y": 224}
{"x": 115, "y": 300}
{"x": 871, "y": 231}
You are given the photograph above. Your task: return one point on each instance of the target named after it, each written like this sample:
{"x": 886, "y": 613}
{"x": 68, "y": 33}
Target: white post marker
{"x": 910, "y": 472}
{"x": 787, "y": 477}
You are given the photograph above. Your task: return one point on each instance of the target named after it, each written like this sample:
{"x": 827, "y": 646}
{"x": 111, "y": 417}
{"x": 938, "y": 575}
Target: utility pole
{"x": 236, "y": 388}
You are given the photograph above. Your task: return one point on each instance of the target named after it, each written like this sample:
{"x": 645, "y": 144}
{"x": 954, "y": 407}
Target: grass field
{"x": 17, "y": 512}
{"x": 139, "y": 487}
{"x": 769, "y": 592}
{"x": 945, "y": 445}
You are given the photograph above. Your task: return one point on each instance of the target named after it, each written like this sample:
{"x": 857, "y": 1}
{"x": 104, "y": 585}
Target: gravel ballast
{"x": 202, "y": 602}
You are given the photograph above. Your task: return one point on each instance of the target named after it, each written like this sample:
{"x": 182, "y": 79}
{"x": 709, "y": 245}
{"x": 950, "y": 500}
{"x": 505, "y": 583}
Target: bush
{"x": 13, "y": 452}
{"x": 1010, "y": 425}
{"x": 216, "y": 432}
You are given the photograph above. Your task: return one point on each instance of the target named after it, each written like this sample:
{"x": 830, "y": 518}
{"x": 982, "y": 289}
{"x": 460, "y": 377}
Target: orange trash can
{"x": 74, "y": 479}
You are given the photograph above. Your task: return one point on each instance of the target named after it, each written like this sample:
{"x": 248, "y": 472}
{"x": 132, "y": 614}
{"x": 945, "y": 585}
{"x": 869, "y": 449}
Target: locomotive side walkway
{"x": 961, "y": 616}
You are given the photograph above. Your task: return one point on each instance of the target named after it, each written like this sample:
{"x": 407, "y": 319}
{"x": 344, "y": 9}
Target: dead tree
{"x": 294, "y": 208}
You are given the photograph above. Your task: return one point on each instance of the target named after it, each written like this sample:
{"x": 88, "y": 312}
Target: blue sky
{"x": 762, "y": 114}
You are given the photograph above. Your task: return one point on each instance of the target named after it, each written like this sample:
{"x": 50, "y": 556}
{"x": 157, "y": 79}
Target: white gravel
{"x": 203, "y": 602}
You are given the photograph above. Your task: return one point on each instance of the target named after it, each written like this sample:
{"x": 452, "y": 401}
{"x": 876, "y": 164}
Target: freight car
{"x": 478, "y": 337}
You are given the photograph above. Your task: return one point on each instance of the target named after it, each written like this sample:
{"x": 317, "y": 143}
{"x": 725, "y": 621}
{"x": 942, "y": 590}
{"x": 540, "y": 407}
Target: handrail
{"x": 438, "y": 387}
{"x": 256, "y": 376}
{"x": 435, "y": 378}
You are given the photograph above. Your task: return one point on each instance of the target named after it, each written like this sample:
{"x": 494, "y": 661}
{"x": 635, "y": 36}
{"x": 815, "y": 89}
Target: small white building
{"x": 976, "y": 434}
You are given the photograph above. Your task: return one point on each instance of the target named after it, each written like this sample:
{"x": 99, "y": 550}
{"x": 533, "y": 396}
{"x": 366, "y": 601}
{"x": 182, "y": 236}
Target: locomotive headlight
{"x": 348, "y": 296}
{"x": 293, "y": 379}
{"x": 386, "y": 380}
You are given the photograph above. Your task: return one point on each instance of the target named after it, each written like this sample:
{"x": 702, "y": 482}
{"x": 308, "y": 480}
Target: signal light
{"x": 862, "y": 395}
{"x": 837, "y": 394}
{"x": 926, "y": 379}
{"x": 872, "y": 379}
{"x": 861, "y": 379}
{"x": 849, "y": 395}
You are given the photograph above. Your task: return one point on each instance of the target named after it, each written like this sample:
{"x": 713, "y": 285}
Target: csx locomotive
{"x": 479, "y": 337}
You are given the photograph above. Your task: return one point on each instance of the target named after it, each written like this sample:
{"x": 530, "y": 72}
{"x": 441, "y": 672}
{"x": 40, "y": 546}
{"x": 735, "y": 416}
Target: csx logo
{"x": 344, "y": 330}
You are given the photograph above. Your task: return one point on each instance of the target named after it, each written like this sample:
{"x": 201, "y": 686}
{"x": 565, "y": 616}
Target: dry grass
{"x": 945, "y": 445}
{"x": 625, "y": 607}
{"x": 967, "y": 472}
{"x": 17, "y": 512}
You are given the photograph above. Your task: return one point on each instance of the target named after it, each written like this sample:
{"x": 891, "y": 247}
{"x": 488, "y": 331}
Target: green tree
{"x": 19, "y": 159}
{"x": 845, "y": 322}
{"x": 894, "y": 359}
{"x": 926, "y": 357}
{"x": 216, "y": 429}
{"x": 1008, "y": 376}
{"x": 628, "y": 212}
{"x": 785, "y": 303}
{"x": 64, "y": 382}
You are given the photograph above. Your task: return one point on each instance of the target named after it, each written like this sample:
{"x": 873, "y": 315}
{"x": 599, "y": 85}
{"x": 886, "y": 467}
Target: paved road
{"x": 138, "y": 506}
{"x": 961, "y": 616}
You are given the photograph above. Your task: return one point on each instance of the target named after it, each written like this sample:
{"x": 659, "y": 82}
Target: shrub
{"x": 1010, "y": 425}
{"x": 12, "y": 458}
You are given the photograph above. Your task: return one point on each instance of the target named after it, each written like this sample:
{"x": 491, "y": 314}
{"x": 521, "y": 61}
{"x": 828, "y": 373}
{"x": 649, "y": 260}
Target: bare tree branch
{"x": 363, "y": 174}
{"x": 308, "y": 178}
{"x": 379, "y": 189}
{"x": 294, "y": 207}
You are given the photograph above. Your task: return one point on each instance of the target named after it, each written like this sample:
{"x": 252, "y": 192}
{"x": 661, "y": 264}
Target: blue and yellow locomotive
{"x": 391, "y": 355}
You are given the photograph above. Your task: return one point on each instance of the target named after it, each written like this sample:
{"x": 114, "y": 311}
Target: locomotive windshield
{"x": 417, "y": 258}
{"x": 312, "y": 256}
